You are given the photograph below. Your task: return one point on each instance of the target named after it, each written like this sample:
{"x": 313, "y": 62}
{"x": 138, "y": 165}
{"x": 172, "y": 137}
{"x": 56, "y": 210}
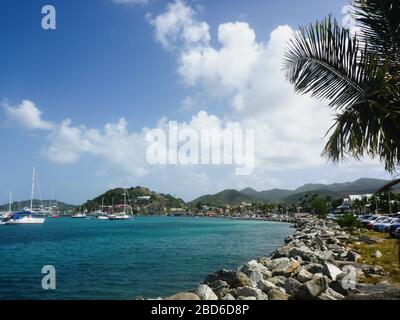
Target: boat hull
{"x": 26, "y": 220}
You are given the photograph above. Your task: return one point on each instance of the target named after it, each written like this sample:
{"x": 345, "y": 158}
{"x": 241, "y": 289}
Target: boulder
{"x": 246, "y": 298}
{"x": 205, "y": 293}
{"x": 286, "y": 268}
{"x": 228, "y": 296}
{"x": 278, "y": 281}
{"x": 327, "y": 255}
{"x": 304, "y": 276}
{"x": 234, "y": 279}
{"x": 279, "y": 262}
{"x": 292, "y": 286}
{"x": 353, "y": 256}
{"x": 185, "y": 296}
{"x": 277, "y": 295}
{"x": 315, "y": 268}
{"x": 255, "y": 276}
{"x": 312, "y": 289}
{"x": 255, "y": 266}
{"x": 218, "y": 285}
{"x": 266, "y": 286}
{"x": 304, "y": 252}
{"x": 249, "y": 292}
{"x": 331, "y": 271}
{"x": 283, "y": 251}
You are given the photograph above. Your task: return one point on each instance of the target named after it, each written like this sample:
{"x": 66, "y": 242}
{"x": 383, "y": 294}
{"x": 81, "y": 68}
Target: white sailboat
{"x": 122, "y": 215}
{"x": 26, "y": 216}
{"x": 100, "y": 214}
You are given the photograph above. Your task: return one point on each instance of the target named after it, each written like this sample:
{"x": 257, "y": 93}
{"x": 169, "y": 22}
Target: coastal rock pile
{"x": 314, "y": 264}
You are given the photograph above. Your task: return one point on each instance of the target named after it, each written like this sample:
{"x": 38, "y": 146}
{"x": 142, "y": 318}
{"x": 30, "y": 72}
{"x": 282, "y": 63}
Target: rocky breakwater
{"x": 314, "y": 264}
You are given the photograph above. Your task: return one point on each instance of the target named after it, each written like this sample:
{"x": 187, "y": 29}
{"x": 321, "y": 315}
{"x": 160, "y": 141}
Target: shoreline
{"x": 314, "y": 263}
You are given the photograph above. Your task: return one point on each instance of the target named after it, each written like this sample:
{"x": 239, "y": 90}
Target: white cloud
{"x": 122, "y": 151}
{"x": 248, "y": 74}
{"x": 178, "y": 26}
{"x": 27, "y": 115}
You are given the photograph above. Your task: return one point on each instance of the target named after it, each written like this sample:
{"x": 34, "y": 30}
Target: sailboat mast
{"x": 33, "y": 187}
{"x": 124, "y": 201}
{"x": 9, "y": 205}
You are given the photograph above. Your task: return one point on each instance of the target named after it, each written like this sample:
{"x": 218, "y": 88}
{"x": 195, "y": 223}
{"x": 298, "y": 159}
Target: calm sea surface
{"x": 148, "y": 256}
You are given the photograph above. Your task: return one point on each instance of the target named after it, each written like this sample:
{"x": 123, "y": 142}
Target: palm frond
{"x": 324, "y": 60}
{"x": 365, "y": 129}
{"x": 379, "y": 22}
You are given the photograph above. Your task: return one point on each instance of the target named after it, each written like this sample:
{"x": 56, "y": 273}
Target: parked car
{"x": 392, "y": 229}
{"x": 384, "y": 225}
{"x": 364, "y": 217}
{"x": 365, "y": 222}
{"x": 380, "y": 219}
{"x": 397, "y": 233}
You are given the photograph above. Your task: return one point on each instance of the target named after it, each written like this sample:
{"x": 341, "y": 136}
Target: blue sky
{"x": 107, "y": 61}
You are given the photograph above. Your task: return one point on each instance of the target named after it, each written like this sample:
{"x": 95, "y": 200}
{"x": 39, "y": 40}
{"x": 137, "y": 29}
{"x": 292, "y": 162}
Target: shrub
{"x": 348, "y": 221}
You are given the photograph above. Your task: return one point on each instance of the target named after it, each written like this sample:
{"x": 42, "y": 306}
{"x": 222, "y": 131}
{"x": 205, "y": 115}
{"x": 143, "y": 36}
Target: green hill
{"x": 227, "y": 197}
{"x": 19, "y": 205}
{"x": 116, "y": 196}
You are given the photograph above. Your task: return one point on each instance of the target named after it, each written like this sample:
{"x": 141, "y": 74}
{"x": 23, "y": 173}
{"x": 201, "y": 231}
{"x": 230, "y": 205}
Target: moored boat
{"x": 79, "y": 216}
{"x": 26, "y": 216}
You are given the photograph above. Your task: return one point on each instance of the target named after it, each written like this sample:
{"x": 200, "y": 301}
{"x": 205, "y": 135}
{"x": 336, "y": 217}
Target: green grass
{"x": 389, "y": 260}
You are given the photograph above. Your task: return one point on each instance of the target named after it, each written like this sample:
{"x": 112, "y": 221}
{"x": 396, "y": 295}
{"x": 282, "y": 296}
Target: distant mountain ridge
{"x": 335, "y": 190}
{"x": 230, "y": 197}
{"x": 19, "y": 205}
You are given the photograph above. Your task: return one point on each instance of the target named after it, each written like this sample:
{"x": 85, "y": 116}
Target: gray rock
{"x": 312, "y": 289}
{"x": 353, "y": 256}
{"x": 278, "y": 281}
{"x": 266, "y": 286}
{"x": 246, "y": 298}
{"x": 292, "y": 286}
{"x": 205, "y": 293}
{"x": 183, "y": 296}
{"x": 331, "y": 271}
{"x": 275, "y": 263}
{"x": 315, "y": 268}
{"x": 282, "y": 252}
{"x": 228, "y": 296}
{"x": 304, "y": 276}
{"x": 234, "y": 279}
{"x": 277, "y": 295}
{"x": 250, "y": 292}
{"x": 287, "y": 268}
{"x": 218, "y": 285}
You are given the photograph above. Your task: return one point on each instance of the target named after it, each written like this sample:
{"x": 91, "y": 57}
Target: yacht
{"x": 26, "y": 216}
{"x": 100, "y": 214}
{"x": 119, "y": 216}
{"x": 79, "y": 215}
{"x": 122, "y": 215}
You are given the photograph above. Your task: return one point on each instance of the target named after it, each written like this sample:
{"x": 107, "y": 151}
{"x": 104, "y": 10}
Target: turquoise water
{"x": 148, "y": 256}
